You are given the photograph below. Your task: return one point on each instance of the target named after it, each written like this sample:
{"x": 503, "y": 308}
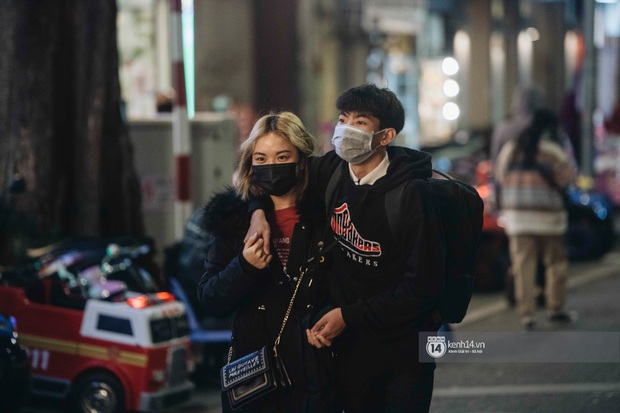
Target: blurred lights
{"x": 501, "y": 222}
{"x": 375, "y": 59}
{"x": 461, "y": 137}
{"x": 450, "y": 66}
{"x": 143, "y": 301}
{"x": 444, "y": 164}
{"x": 599, "y": 210}
{"x": 571, "y": 47}
{"x": 397, "y": 64}
{"x": 165, "y": 296}
{"x": 484, "y": 191}
{"x": 187, "y": 24}
{"x": 533, "y": 34}
{"x": 450, "y": 111}
{"x": 525, "y": 53}
{"x": 451, "y": 88}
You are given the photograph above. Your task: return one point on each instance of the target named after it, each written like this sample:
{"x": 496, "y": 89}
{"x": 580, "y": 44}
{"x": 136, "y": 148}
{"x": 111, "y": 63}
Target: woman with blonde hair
{"x": 240, "y": 278}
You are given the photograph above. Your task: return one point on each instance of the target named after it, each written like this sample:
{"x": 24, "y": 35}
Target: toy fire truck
{"x": 130, "y": 353}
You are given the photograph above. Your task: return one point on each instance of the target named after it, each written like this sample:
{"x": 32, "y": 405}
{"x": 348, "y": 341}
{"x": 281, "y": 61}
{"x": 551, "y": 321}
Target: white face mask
{"x": 352, "y": 144}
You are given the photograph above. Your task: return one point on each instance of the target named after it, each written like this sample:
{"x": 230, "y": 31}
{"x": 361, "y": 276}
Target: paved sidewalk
{"x": 487, "y": 304}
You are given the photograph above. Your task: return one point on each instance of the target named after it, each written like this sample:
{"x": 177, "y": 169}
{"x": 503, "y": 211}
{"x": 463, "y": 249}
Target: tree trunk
{"x": 61, "y": 124}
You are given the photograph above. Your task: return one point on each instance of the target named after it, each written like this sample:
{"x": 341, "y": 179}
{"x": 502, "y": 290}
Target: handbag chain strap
{"x": 288, "y": 312}
{"x": 303, "y": 269}
{"x": 286, "y": 316}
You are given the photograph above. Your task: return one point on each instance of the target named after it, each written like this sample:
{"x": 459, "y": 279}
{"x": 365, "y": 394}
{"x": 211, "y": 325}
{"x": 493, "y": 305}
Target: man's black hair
{"x": 380, "y": 103}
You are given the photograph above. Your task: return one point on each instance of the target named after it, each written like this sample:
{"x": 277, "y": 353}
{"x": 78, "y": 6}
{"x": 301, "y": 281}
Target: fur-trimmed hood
{"x": 226, "y": 213}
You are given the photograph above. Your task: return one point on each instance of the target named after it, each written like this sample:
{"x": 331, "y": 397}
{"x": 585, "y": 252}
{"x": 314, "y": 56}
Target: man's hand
{"x": 259, "y": 227}
{"x": 326, "y": 329}
{"x": 254, "y": 254}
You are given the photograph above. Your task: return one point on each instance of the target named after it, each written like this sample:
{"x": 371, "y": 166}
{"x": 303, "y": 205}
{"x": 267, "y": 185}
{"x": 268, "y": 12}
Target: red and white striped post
{"x": 181, "y": 134}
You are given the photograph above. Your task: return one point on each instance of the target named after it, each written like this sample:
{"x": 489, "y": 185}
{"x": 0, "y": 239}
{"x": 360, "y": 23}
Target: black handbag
{"x": 253, "y": 376}
{"x": 258, "y": 374}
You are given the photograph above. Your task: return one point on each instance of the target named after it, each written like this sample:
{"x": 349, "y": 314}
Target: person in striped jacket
{"x": 534, "y": 171}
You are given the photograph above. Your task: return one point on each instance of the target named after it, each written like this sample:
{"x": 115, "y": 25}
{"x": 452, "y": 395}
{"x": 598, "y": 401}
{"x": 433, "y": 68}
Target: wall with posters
{"x": 214, "y": 153}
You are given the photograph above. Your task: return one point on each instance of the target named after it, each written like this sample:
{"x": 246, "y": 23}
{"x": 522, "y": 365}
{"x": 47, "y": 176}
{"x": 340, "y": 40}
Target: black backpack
{"x": 461, "y": 210}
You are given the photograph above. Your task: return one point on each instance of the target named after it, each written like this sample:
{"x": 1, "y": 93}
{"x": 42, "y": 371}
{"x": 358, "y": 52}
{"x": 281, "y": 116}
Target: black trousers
{"x": 371, "y": 380}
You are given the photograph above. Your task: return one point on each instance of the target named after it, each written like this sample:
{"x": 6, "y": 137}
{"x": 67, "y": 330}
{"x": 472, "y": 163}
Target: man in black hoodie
{"x": 385, "y": 284}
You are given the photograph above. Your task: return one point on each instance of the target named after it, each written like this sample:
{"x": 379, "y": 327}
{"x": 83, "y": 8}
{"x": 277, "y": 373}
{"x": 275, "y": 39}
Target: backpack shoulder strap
{"x": 393, "y": 204}
{"x": 445, "y": 175}
{"x": 332, "y": 187}
{"x": 393, "y": 207}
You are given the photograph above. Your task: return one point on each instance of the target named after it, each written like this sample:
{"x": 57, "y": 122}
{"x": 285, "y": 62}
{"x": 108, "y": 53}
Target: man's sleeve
{"x": 321, "y": 170}
{"x": 259, "y": 202}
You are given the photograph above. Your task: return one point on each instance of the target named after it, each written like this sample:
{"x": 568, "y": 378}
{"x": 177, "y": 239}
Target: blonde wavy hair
{"x": 288, "y": 126}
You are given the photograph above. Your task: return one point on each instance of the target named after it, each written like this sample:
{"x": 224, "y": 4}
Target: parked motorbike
{"x": 83, "y": 268}
{"x": 14, "y": 369}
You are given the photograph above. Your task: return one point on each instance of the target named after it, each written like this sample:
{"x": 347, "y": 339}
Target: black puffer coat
{"x": 260, "y": 299}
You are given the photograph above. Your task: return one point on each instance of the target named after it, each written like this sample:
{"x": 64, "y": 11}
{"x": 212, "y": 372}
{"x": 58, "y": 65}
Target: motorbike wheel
{"x": 583, "y": 242}
{"x": 492, "y": 265}
{"x": 98, "y": 393}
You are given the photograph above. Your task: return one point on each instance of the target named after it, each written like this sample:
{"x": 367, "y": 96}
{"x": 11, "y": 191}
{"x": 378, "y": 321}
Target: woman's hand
{"x": 254, "y": 253}
{"x": 260, "y": 227}
{"x": 326, "y": 329}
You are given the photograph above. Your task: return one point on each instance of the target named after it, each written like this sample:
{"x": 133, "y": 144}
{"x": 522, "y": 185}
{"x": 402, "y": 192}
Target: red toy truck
{"x": 130, "y": 354}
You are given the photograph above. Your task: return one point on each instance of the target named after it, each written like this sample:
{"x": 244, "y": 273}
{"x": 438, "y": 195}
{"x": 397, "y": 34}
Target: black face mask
{"x": 277, "y": 178}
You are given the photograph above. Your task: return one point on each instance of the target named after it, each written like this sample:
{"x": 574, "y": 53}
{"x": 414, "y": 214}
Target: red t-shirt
{"x": 282, "y": 223}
